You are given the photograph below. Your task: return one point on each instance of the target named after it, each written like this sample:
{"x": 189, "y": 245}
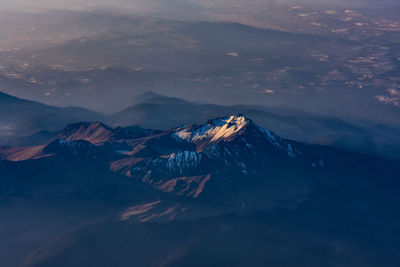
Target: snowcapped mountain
{"x": 224, "y": 154}
{"x": 229, "y": 128}
{"x": 223, "y": 158}
{"x": 215, "y": 130}
{"x": 219, "y": 160}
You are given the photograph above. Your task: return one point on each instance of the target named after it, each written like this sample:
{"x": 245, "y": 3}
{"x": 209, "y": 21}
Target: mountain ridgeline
{"x": 226, "y": 155}
{"x": 27, "y": 123}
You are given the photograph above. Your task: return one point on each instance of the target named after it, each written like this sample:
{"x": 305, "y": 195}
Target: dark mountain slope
{"x": 284, "y": 238}
{"x": 224, "y": 192}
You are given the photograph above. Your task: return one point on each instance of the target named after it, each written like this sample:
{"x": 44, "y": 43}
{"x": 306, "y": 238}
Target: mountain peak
{"x": 154, "y": 98}
{"x": 215, "y": 130}
{"x": 94, "y": 132}
{"x": 230, "y": 128}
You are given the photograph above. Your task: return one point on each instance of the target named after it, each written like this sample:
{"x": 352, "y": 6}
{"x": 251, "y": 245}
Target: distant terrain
{"x": 103, "y": 60}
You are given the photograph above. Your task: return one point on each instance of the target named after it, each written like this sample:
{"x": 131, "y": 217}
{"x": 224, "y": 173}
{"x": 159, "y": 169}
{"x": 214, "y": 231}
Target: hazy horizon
{"x": 311, "y": 55}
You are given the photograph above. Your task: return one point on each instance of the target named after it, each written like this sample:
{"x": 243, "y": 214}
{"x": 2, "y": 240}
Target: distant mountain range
{"x": 25, "y": 123}
{"x": 224, "y": 178}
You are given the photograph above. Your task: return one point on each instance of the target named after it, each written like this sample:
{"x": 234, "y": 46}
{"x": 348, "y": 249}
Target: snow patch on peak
{"x": 214, "y": 130}
{"x": 186, "y": 157}
{"x": 181, "y": 162}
